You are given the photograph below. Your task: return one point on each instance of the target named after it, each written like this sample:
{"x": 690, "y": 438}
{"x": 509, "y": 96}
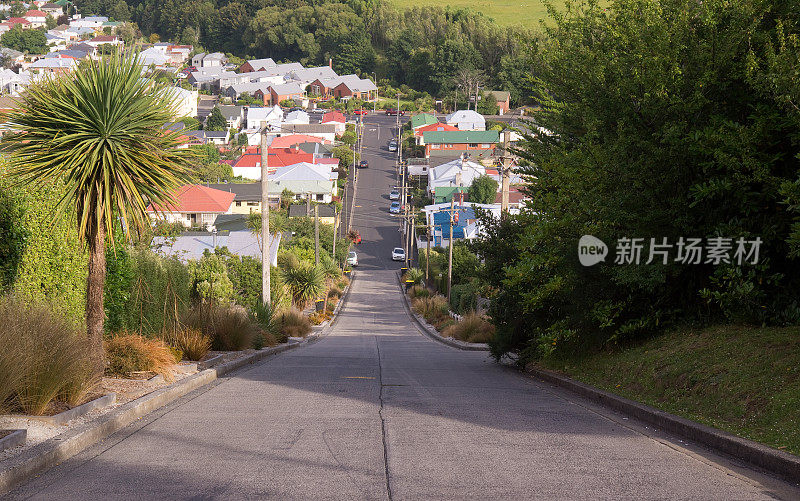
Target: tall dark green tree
{"x": 216, "y": 121}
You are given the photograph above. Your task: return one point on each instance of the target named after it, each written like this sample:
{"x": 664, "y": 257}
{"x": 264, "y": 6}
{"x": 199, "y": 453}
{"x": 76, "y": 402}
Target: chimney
{"x": 330, "y": 63}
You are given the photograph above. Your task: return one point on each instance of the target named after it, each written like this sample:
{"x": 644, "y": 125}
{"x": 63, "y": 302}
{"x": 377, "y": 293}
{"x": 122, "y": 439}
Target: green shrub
{"x": 229, "y": 327}
{"x": 43, "y": 356}
{"x": 432, "y": 308}
{"x": 305, "y": 283}
{"x": 335, "y": 292}
{"x": 210, "y": 281}
{"x": 193, "y": 344}
{"x": 128, "y": 353}
{"x": 464, "y": 298}
{"x": 415, "y": 275}
{"x": 418, "y": 291}
{"x": 291, "y": 323}
{"x": 472, "y": 328}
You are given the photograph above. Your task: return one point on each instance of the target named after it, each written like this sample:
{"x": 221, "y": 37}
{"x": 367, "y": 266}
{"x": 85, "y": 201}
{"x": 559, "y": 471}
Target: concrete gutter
{"x": 18, "y": 469}
{"x": 431, "y": 331}
{"x": 775, "y": 461}
{"x": 13, "y": 439}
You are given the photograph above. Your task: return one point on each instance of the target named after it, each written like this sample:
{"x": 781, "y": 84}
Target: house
{"x": 208, "y": 78}
{"x": 257, "y": 65}
{"x": 185, "y": 101}
{"x": 278, "y": 93}
{"x": 450, "y": 143}
{"x": 296, "y": 117}
{"x": 502, "y": 98}
{"x": 52, "y": 65}
{"x": 68, "y": 53}
{"x": 90, "y": 22}
{"x": 438, "y": 217}
{"x": 325, "y": 212}
{"x": 247, "y": 196}
{"x": 104, "y": 40}
{"x": 323, "y": 87}
{"x": 352, "y": 86}
{"x": 304, "y": 76}
{"x": 219, "y": 138}
{"x": 437, "y": 127}
{"x": 37, "y": 18}
{"x": 421, "y": 120}
{"x": 177, "y": 54}
{"x": 234, "y": 115}
{"x": 466, "y": 120}
{"x": 54, "y": 10}
{"x": 306, "y": 180}
{"x": 294, "y": 139}
{"x": 457, "y": 173}
{"x": 248, "y": 165}
{"x": 13, "y": 83}
{"x": 213, "y": 60}
{"x": 192, "y": 245}
{"x": 516, "y": 198}
{"x": 336, "y": 118}
{"x": 250, "y": 88}
{"x": 326, "y": 132}
{"x": 11, "y": 56}
{"x": 153, "y": 57}
{"x": 194, "y": 205}
{"x": 257, "y": 118}
{"x": 14, "y": 21}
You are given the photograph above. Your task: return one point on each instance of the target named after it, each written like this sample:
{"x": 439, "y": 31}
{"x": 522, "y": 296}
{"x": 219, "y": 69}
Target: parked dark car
{"x": 392, "y": 111}
{"x": 363, "y": 164}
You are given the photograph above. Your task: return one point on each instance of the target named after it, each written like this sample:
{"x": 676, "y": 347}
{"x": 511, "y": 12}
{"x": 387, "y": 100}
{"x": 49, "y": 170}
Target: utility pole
{"x": 316, "y": 234}
{"x": 265, "y": 240}
{"x": 335, "y": 231}
{"x": 450, "y": 252}
{"x": 428, "y": 254}
{"x": 506, "y": 174}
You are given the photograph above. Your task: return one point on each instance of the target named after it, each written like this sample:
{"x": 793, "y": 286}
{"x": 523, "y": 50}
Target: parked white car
{"x": 393, "y": 145}
{"x": 394, "y": 195}
{"x": 352, "y": 258}
{"x": 398, "y": 254}
{"x": 395, "y": 208}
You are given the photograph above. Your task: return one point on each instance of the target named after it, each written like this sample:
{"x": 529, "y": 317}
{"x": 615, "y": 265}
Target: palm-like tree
{"x": 99, "y": 129}
{"x": 305, "y": 282}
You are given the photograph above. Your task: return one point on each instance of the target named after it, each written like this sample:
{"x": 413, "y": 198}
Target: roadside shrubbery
{"x": 193, "y": 344}
{"x": 128, "y": 353}
{"x": 229, "y": 327}
{"x": 43, "y": 358}
{"x": 291, "y": 323}
{"x": 472, "y": 328}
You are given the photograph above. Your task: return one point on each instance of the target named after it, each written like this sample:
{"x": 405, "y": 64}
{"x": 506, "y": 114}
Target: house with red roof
{"x": 292, "y": 139}
{"x": 37, "y": 18}
{"x": 104, "y": 40}
{"x": 248, "y": 165}
{"x": 336, "y": 118}
{"x": 438, "y": 126}
{"x": 13, "y": 21}
{"x": 195, "y": 205}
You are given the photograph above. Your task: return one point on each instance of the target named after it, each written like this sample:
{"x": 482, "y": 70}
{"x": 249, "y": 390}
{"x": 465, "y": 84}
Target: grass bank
{"x": 505, "y": 12}
{"x": 744, "y": 380}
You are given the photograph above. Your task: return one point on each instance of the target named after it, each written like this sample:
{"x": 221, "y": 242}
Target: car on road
{"x": 392, "y": 111}
{"x": 394, "y": 195}
{"x": 395, "y": 208}
{"x": 398, "y": 254}
{"x": 363, "y": 164}
{"x": 352, "y": 258}
{"x": 361, "y": 112}
{"x": 393, "y": 145}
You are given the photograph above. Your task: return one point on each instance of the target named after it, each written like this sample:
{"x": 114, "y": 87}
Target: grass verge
{"x": 744, "y": 380}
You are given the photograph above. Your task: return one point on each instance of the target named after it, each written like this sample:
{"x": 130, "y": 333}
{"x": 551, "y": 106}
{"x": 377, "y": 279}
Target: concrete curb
{"x": 13, "y": 439}
{"x": 432, "y": 333}
{"x": 775, "y": 461}
{"x": 76, "y": 412}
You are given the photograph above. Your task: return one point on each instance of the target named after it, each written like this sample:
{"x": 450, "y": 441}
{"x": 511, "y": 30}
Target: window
{"x": 238, "y": 203}
{"x": 434, "y": 146}
{"x": 252, "y": 204}
{"x": 473, "y": 145}
{"x": 320, "y": 197}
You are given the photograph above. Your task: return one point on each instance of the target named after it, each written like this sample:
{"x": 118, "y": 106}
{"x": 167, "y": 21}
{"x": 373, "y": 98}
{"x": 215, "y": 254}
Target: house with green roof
{"x": 422, "y": 119}
{"x": 454, "y": 143}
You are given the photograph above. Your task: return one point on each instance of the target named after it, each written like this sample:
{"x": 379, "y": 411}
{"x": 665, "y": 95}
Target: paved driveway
{"x": 376, "y": 410}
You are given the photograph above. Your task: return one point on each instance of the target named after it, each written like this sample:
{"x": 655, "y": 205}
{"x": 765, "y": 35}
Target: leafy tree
{"x": 349, "y": 137}
{"x": 17, "y": 9}
{"x": 29, "y": 41}
{"x": 701, "y": 140}
{"x": 210, "y": 281}
{"x": 216, "y": 121}
{"x": 119, "y": 11}
{"x": 50, "y": 22}
{"x": 483, "y": 190}
{"x": 121, "y": 161}
{"x": 345, "y": 156}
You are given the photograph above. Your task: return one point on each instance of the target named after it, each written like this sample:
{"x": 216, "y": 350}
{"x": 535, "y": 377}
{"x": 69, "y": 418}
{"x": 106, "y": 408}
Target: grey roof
{"x": 190, "y": 245}
{"x": 318, "y": 148}
{"x": 299, "y": 210}
{"x": 230, "y": 111}
{"x": 244, "y": 192}
{"x": 79, "y": 54}
{"x": 231, "y": 222}
{"x": 262, "y": 63}
{"x": 287, "y": 89}
{"x": 356, "y": 83}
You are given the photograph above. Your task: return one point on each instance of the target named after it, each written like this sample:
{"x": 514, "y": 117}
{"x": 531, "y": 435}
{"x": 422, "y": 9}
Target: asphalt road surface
{"x": 376, "y": 410}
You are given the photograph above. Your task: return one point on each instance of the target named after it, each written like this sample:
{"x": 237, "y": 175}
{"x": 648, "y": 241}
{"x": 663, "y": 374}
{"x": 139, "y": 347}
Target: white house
{"x": 306, "y": 180}
{"x": 13, "y": 83}
{"x": 466, "y": 120}
{"x": 37, "y": 18}
{"x": 213, "y": 60}
{"x": 457, "y": 173}
{"x": 257, "y": 118}
{"x": 185, "y": 101}
{"x": 297, "y": 117}
{"x": 92, "y": 22}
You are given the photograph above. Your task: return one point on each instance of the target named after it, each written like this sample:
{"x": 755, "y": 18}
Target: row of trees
{"x": 671, "y": 119}
{"x": 424, "y": 47}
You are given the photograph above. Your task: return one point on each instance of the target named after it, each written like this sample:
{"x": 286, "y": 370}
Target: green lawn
{"x": 744, "y": 380}
{"x": 504, "y": 12}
